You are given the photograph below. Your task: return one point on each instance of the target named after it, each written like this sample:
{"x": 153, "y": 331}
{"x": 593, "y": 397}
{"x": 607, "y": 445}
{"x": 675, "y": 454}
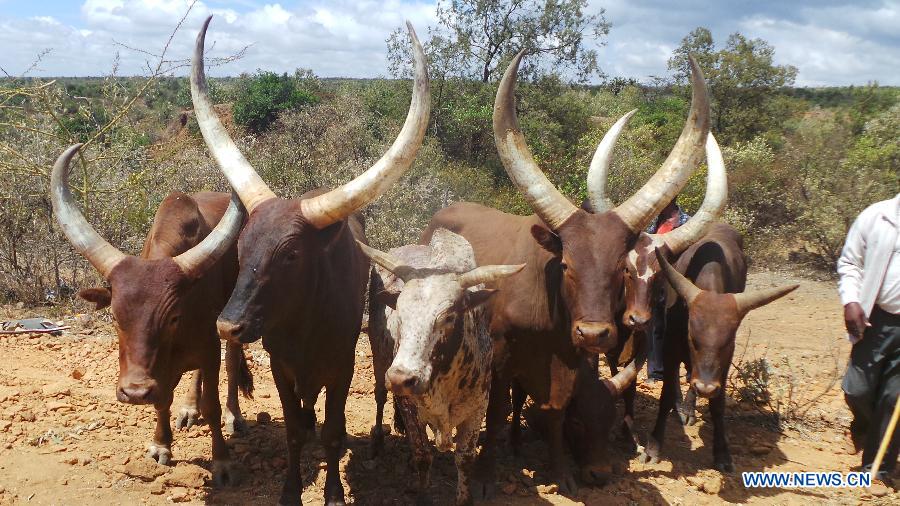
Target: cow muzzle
{"x": 236, "y": 332}
{"x": 594, "y": 337}
{"x": 143, "y": 391}
{"x": 636, "y": 320}
{"x": 706, "y": 389}
{"x": 402, "y": 381}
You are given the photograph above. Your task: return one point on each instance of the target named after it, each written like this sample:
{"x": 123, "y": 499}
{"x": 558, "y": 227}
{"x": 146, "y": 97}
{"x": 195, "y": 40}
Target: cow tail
{"x": 245, "y": 377}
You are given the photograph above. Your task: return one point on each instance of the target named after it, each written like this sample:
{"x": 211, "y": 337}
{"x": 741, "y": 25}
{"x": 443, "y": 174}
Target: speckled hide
{"x": 440, "y": 350}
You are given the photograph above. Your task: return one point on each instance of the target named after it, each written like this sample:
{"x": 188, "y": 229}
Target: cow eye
{"x": 563, "y": 265}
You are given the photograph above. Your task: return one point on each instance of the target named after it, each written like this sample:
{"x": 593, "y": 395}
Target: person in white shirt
{"x": 869, "y": 270}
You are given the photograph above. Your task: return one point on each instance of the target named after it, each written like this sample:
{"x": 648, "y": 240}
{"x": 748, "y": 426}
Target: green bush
{"x": 264, "y": 96}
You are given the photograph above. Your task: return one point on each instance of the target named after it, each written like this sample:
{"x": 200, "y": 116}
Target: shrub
{"x": 264, "y": 96}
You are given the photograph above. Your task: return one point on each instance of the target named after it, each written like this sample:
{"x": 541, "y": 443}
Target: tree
{"x": 476, "y": 38}
{"x": 743, "y": 81}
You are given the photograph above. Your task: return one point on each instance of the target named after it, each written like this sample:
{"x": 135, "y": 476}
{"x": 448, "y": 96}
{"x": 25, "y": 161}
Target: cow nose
{"x": 230, "y": 331}
{"x": 402, "y": 381}
{"x": 637, "y": 321}
{"x": 595, "y": 337}
{"x": 137, "y": 393}
{"x": 705, "y": 389}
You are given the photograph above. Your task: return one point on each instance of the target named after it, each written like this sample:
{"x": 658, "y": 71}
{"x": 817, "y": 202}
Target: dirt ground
{"x": 65, "y": 440}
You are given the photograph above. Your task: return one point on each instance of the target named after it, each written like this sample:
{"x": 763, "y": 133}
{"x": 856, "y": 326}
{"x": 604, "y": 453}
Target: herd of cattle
{"x": 488, "y": 309}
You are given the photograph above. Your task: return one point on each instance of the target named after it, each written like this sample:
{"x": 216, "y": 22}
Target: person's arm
{"x": 850, "y": 269}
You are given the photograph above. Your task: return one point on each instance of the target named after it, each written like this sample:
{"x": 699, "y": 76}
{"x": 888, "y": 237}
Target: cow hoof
{"x": 237, "y": 425}
{"x": 597, "y": 475}
{"x": 686, "y": 419}
{"x": 187, "y": 418}
{"x": 482, "y": 490}
{"x": 336, "y": 501}
{"x": 225, "y": 473}
{"x": 724, "y": 466}
{"x": 160, "y": 454}
{"x": 567, "y": 484}
{"x": 646, "y": 456}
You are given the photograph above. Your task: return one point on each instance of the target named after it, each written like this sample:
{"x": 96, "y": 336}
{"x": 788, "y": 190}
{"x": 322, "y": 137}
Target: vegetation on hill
{"x": 801, "y": 162}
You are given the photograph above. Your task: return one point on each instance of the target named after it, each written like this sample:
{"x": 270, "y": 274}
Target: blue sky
{"x": 831, "y": 42}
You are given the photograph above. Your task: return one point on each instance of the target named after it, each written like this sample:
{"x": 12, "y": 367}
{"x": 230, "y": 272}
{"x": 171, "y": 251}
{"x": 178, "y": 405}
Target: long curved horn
{"x": 240, "y": 174}
{"x": 388, "y": 261}
{"x": 101, "y": 254}
{"x": 600, "y": 163}
{"x": 644, "y": 205}
{"x": 197, "y": 260}
{"x": 624, "y": 378}
{"x": 544, "y": 198}
{"x": 679, "y": 239}
{"x": 749, "y": 301}
{"x": 339, "y": 203}
{"x": 488, "y": 274}
{"x": 682, "y": 285}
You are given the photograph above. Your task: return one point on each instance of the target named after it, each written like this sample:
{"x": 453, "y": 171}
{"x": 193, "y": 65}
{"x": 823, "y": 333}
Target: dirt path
{"x": 65, "y": 440}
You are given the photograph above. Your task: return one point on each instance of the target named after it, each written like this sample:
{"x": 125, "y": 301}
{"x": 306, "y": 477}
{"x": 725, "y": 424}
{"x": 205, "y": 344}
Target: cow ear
{"x": 387, "y": 298}
{"x": 547, "y": 239}
{"x": 101, "y": 297}
{"x": 474, "y": 299}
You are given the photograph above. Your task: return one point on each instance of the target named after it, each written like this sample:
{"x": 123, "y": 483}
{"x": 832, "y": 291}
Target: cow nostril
{"x": 410, "y": 383}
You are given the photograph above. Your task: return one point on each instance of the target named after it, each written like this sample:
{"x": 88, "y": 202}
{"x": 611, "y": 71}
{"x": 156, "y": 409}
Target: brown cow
{"x": 548, "y": 320}
{"x": 302, "y": 279}
{"x": 700, "y": 330}
{"x": 644, "y": 285}
{"x": 165, "y": 304}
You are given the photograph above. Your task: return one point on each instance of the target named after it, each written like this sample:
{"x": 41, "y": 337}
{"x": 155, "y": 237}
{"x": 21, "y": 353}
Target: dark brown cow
{"x": 548, "y": 320}
{"x": 302, "y": 279}
{"x": 700, "y": 330}
{"x": 165, "y": 304}
{"x": 644, "y": 284}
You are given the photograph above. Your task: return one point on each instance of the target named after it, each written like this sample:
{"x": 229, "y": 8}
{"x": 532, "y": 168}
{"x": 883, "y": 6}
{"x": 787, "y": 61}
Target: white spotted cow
{"x": 427, "y": 305}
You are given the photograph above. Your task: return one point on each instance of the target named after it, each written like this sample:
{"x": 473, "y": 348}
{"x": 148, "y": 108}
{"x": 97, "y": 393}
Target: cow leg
{"x": 298, "y": 423}
{"x": 376, "y": 435}
{"x": 721, "y": 454}
{"x": 223, "y": 472}
{"x": 687, "y": 410}
{"x": 515, "y": 428}
{"x": 466, "y": 440}
{"x": 628, "y": 432}
{"x": 484, "y": 480}
{"x": 670, "y": 393}
{"x": 559, "y": 471}
{"x": 334, "y": 428}
{"x": 419, "y": 445}
{"x": 238, "y": 376}
{"x": 189, "y": 414}
{"x": 160, "y": 449}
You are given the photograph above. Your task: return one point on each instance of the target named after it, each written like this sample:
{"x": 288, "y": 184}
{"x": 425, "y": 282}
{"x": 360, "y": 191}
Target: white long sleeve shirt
{"x": 869, "y": 267}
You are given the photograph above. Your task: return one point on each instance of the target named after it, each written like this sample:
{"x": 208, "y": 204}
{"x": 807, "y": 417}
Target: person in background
{"x": 670, "y": 218}
{"x": 869, "y": 270}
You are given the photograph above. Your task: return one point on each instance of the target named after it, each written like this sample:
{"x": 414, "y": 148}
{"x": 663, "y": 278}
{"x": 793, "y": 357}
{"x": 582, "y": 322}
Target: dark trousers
{"x": 655, "y": 338}
{"x": 872, "y": 384}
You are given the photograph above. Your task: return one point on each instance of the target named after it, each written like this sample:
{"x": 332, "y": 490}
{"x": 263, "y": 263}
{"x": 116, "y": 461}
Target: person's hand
{"x": 855, "y": 320}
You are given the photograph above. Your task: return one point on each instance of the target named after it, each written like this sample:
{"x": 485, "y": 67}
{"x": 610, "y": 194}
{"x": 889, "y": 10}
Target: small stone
{"x": 508, "y": 488}
{"x": 187, "y": 475}
{"x": 63, "y": 481}
{"x": 695, "y": 481}
{"x": 85, "y": 460}
{"x": 552, "y": 488}
{"x": 263, "y": 418}
{"x": 878, "y": 489}
{"x": 144, "y": 469}
{"x": 70, "y": 460}
{"x": 55, "y": 390}
{"x": 77, "y": 373}
{"x": 179, "y": 494}
{"x": 27, "y": 416}
{"x": 5, "y": 425}
{"x": 58, "y": 406}
{"x": 712, "y": 485}
{"x": 760, "y": 450}
{"x": 157, "y": 487}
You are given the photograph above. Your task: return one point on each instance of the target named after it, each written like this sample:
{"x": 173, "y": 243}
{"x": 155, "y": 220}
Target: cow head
{"x": 713, "y": 320}
{"x": 283, "y": 239}
{"x": 644, "y": 284}
{"x": 590, "y": 247}
{"x": 146, "y": 297}
{"x": 429, "y": 324}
